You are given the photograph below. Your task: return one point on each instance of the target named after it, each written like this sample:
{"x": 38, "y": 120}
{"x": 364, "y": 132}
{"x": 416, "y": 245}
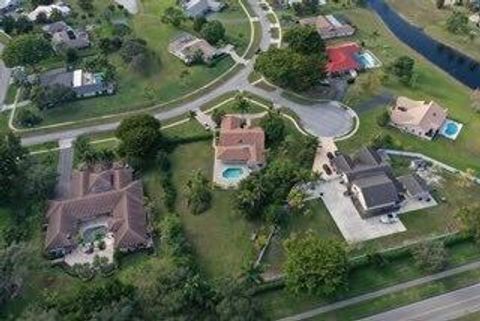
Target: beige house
{"x": 418, "y": 117}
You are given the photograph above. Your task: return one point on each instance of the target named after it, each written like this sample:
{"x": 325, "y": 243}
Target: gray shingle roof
{"x": 377, "y": 190}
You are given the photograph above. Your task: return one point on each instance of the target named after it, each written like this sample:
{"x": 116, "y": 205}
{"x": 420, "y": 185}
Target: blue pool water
{"x": 451, "y": 129}
{"x": 233, "y": 173}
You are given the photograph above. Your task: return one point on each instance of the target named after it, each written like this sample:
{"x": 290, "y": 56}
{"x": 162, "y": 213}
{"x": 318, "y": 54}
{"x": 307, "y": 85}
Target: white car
{"x": 389, "y": 218}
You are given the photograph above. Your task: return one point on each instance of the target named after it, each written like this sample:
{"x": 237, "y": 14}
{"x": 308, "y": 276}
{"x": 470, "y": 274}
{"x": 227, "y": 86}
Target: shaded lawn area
{"x": 169, "y": 77}
{"x": 317, "y": 219}
{"x": 434, "y": 22}
{"x": 432, "y": 84}
{"x": 220, "y": 238}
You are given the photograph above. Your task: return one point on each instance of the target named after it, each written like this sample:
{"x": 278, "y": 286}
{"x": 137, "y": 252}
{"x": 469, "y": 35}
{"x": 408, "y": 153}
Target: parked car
{"x": 389, "y": 218}
{"x": 327, "y": 169}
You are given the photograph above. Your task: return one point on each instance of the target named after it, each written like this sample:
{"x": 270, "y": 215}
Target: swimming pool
{"x": 368, "y": 60}
{"x": 233, "y": 173}
{"x": 94, "y": 233}
{"x": 451, "y": 129}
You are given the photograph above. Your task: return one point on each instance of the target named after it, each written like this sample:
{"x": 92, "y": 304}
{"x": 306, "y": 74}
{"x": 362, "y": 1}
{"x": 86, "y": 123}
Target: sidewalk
{"x": 386, "y": 291}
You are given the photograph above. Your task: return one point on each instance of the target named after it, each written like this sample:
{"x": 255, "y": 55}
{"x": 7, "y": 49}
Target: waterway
{"x": 458, "y": 65}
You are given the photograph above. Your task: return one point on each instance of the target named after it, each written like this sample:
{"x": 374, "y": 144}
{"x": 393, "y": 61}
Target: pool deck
{"x": 444, "y": 133}
{"x": 219, "y": 180}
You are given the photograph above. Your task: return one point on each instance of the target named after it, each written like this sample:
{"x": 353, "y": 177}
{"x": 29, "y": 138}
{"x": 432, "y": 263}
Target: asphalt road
{"x": 324, "y": 119}
{"x": 378, "y": 294}
{"x": 64, "y": 170}
{"x": 4, "y": 78}
{"x": 449, "y": 306}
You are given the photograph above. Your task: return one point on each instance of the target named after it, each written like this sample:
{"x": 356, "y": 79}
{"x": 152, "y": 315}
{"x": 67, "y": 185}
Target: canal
{"x": 461, "y": 67}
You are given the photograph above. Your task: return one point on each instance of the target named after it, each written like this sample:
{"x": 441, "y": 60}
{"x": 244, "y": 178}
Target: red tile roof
{"x": 111, "y": 194}
{"x": 238, "y": 144}
{"x": 341, "y": 58}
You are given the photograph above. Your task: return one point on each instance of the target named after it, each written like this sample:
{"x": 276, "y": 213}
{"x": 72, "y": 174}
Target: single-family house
{"x": 342, "y": 58}
{"x": 370, "y": 181}
{"x": 418, "y": 117}
{"x": 199, "y": 8}
{"x": 83, "y": 83}
{"x": 239, "y": 145}
{"x": 191, "y": 49}
{"x": 64, "y": 37}
{"x": 329, "y": 27}
{"x": 48, "y": 9}
{"x": 110, "y": 200}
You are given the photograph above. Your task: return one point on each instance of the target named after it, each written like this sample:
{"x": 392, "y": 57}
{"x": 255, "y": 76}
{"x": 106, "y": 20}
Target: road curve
{"x": 323, "y": 119}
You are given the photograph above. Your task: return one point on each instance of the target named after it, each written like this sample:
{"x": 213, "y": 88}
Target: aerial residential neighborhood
{"x": 239, "y": 160}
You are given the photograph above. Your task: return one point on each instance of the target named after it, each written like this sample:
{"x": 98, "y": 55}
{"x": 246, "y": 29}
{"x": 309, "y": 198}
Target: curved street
{"x": 322, "y": 119}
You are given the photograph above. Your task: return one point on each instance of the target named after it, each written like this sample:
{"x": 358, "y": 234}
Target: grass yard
{"x": 432, "y": 84}
{"x": 368, "y": 278}
{"x": 433, "y": 21}
{"x": 402, "y": 298}
{"x": 169, "y": 78}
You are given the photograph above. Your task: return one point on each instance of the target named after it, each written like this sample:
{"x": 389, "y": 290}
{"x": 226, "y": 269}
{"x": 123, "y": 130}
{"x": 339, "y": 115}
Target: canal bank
{"x": 460, "y": 66}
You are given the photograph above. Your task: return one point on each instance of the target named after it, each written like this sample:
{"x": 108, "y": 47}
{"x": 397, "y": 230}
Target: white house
{"x": 62, "y": 8}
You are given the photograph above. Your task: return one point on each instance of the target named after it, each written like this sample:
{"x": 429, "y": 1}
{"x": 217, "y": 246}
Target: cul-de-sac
{"x": 239, "y": 160}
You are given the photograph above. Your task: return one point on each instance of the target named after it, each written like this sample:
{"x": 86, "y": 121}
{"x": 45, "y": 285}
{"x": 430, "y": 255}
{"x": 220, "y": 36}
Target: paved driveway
{"x": 4, "y": 78}
{"x": 352, "y": 226}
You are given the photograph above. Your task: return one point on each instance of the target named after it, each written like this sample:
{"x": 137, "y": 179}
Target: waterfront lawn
{"x": 433, "y": 21}
{"x": 168, "y": 78}
{"x": 432, "y": 84}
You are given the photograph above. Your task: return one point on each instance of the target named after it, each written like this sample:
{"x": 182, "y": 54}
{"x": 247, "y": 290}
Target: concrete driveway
{"x": 4, "y": 78}
{"x": 352, "y": 226}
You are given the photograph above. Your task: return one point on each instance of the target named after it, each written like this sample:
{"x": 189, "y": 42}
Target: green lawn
{"x": 368, "y": 278}
{"x": 433, "y": 21}
{"x": 432, "y": 84}
{"x": 169, "y": 78}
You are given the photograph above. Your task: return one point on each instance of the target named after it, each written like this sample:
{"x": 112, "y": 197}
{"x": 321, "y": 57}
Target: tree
{"x": 56, "y": 15}
{"x": 49, "y": 97}
{"x": 131, "y": 48}
{"x": 29, "y": 117}
{"x": 469, "y": 218}
{"x": 199, "y": 194}
{"x": 71, "y": 56}
{"x": 39, "y": 314}
{"x": 84, "y": 151}
{"x": 290, "y": 69}
{"x": 139, "y": 137}
{"x": 383, "y": 119}
{"x": 13, "y": 155}
{"x": 173, "y": 16}
{"x": 86, "y": 5}
{"x": 241, "y": 104}
{"x": 236, "y": 303}
{"x": 314, "y": 265}
{"x": 13, "y": 269}
{"x": 26, "y": 50}
{"x": 217, "y": 116}
{"x": 403, "y": 68}
{"x": 440, "y": 4}
{"x": 100, "y": 64}
{"x": 296, "y": 200}
{"x": 213, "y": 31}
{"x": 305, "y": 40}
{"x": 457, "y": 23}
{"x": 430, "y": 256}
{"x": 198, "y": 23}
{"x": 274, "y": 128}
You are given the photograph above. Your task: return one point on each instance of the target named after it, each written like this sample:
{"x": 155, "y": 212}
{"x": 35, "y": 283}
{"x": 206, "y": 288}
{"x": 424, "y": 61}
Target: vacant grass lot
{"x": 432, "y": 84}
{"x": 168, "y": 78}
{"x": 433, "y": 21}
